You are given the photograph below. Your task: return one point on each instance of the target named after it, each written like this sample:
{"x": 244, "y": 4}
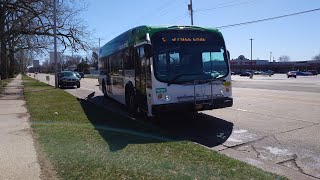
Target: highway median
{"x": 80, "y": 140}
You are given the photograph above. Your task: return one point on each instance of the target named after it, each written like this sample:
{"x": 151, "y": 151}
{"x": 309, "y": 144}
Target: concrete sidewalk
{"x": 18, "y": 158}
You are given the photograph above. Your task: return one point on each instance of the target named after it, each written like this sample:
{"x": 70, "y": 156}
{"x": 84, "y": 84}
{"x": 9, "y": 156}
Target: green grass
{"x": 80, "y": 143}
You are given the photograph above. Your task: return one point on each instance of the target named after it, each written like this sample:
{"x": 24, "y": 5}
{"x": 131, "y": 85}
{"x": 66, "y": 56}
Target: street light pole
{"x": 190, "y": 7}
{"x": 55, "y": 41}
{"x": 251, "y": 52}
{"x": 99, "y": 42}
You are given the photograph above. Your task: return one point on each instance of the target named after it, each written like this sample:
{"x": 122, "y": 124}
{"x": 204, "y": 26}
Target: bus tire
{"x": 130, "y": 100}
{"x": 128, "y": 90}
{"x": 104, "y": 89}
{"x": 132, "y": 105}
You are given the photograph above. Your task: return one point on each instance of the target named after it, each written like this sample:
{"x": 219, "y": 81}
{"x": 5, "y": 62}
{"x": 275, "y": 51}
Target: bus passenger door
{"x": 140, "y": 77}
{"x": 108, "y": 77}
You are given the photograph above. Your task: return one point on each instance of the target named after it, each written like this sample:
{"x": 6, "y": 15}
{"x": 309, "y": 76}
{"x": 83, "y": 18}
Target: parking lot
{"x": 273, "y": 118}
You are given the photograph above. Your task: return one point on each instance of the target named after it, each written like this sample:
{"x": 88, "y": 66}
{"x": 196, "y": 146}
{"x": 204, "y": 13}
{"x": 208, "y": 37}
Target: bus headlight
{"x": 167, "y": 98}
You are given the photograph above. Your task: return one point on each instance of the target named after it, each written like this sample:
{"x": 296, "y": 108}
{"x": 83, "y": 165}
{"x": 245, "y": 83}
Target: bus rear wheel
{"x": 132, "y": 107}
{"x": 104, "y": 90}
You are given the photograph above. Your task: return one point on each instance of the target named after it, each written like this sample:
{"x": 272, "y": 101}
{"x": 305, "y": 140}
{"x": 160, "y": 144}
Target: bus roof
{"x": 137, "y": 35}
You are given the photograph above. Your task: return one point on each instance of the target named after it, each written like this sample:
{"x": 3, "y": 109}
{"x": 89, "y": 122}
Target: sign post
{"x": 48, "y": 78}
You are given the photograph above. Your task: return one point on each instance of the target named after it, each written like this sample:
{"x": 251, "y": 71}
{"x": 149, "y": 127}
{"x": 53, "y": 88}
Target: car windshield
{"x": 67, "y": 74}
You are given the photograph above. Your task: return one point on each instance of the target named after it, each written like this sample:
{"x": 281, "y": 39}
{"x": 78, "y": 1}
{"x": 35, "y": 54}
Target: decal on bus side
{"x": 161, "y": 90}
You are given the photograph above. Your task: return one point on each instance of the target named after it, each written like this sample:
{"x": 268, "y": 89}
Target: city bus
{"x": 157, "y": 70}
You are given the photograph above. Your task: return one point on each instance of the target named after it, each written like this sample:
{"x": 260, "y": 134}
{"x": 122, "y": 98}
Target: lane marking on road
{"x": 314, "y": 123}
{"x": 239, "y": 109}
{"x": 240, "y": 131}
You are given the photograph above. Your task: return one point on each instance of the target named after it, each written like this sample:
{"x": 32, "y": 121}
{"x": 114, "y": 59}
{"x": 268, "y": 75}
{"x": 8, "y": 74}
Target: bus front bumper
{"x": 191, "y": 106}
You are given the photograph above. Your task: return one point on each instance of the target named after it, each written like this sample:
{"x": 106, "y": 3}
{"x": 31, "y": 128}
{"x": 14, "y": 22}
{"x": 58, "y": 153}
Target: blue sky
{"x": 295, "y": 36}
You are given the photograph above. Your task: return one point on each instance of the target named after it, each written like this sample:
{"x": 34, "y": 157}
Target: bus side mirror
{"x": 148, "y": 50}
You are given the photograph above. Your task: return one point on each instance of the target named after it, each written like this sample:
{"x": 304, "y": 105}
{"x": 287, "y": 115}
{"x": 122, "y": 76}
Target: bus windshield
{"x": 191, "y": 58}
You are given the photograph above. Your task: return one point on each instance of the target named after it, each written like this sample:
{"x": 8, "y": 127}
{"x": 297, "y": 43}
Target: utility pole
{"x": 251, "y": 52}
{"x": 270, "y": 56}
{"x": 190, "y": 8}
{"x": 55, "y": 42}
{"x": 99, "y": 42}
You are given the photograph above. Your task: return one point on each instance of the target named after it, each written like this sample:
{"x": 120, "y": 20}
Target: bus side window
{"x": 137, "y": 61}
{"x": 116, "y": 64}
{"x": 128, "y": 61}
{"x": 143, "y": 60}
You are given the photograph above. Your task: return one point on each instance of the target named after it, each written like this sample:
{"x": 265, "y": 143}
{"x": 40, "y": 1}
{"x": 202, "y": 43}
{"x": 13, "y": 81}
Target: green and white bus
{"x": 167, "y": 69}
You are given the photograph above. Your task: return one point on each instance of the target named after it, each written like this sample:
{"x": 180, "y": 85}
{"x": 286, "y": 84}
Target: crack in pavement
{"x": 296, "y": 129}
{"x": 258, "y": 154}
{"x": 293, "y": 162}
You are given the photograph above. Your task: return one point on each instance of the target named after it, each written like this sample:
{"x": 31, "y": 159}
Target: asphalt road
{"x": 280, "y": 82}
{"x": 273, "y": 118}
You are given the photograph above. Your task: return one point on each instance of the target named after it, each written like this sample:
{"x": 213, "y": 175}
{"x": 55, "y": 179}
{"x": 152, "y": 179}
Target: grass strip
{"x": 83, "y": 141}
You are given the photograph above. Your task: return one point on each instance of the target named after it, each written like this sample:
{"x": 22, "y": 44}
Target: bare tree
{"x": 317, "y": 57}
{"x": 28, "y": 24}
{"x": 24, "y": 60}
{"x": 284, "y": 58}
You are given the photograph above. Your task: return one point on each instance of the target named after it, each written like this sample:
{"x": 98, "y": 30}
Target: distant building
{"x": 59, "y": 57}
{"x": 36, "y": 63}
{"x": 242, "y": 64}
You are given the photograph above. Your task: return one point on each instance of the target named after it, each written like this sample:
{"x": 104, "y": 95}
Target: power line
{"x": 180, "y": 17}
{"x": 157, "y": 10}
{"x": 225, "y": 6}
{"x": 169, "y": 9}
{"x": 201, "y": 10}
{"x": 267, "y": 19}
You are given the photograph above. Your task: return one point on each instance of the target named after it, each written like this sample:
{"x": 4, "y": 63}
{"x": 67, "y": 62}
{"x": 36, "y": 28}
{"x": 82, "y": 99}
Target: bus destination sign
{"x": 184, "y": 39}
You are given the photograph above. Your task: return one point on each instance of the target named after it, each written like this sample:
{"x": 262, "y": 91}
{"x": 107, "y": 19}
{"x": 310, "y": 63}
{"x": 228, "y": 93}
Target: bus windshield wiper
{"x": 180, "y": 75}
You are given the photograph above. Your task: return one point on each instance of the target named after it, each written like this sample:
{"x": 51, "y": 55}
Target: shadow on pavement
{"x": 201, "y": 128}
{"x": 119, "y": 131}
